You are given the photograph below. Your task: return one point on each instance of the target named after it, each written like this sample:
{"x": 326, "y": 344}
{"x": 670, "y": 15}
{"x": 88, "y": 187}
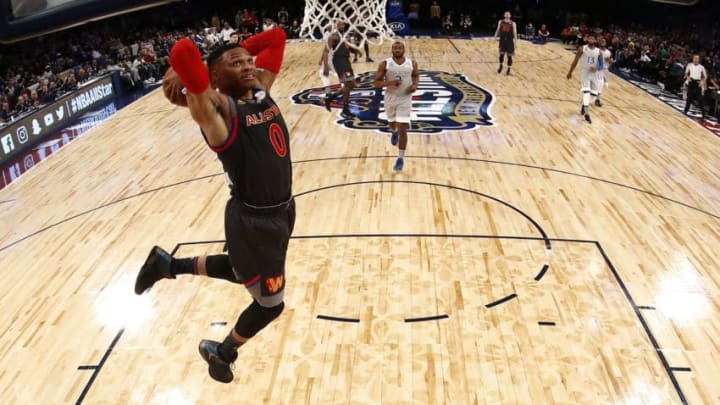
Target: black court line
{"x": 542, "y": 272}
{"x": 338, "y": 319}
{"x": 669, "y": 370}
{"x": 99, "y": 367}
{"x": 201, "y": 242}
{"x": 421, "y": 235}
{"x": 91, "y": 210}
{"x": 528, "y": 166}
{"x": 425, "y": 183}
{"x": 646, "y": 307}
{"x": 644, "y": 324}
{"x": 453, "y": 45}
{"x": 427, "y": 318}
{"x": 219, "y": 323}
{"x": 87, "y": 367}
{"x": 501, "y": 301}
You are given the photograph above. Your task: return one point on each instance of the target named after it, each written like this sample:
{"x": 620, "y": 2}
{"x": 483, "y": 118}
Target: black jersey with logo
{"x": 342, "y": 51}
{"x": 256, "y": 155}
{"x": 506, "y": 31}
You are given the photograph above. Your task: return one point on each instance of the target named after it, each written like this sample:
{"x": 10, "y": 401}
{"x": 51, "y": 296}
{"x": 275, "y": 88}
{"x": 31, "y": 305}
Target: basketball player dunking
{"x": 243, "y": 125}
{"x": 507, "y": 33}
{"x": 588, "y": 56}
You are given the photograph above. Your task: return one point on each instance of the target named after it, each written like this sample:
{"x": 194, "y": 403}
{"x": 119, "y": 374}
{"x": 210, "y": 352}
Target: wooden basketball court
{"x": 539, "y": 260}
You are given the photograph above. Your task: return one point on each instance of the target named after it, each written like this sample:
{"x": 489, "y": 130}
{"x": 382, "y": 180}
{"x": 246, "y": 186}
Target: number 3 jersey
{"x": 402, "y": 71}
{"x": 256, "y": 154}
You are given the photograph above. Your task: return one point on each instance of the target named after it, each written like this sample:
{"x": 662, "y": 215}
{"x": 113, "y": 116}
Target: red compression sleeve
{"x": 268, "y": 47}
{"x": 186, "y": 61}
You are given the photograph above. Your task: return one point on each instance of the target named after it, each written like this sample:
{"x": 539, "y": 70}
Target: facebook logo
{"x": 7, "y": 144}
{"x": 15, "y": 171}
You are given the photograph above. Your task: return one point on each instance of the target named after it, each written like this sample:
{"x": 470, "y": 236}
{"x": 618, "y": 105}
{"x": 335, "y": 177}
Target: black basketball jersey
{"x": 342, "y": 51}
{"x": 506, "y": 32}
{"x": 256, "y": 155}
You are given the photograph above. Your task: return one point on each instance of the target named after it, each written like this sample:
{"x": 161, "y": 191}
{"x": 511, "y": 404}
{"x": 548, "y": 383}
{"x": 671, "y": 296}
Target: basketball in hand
{"x": 173, "y": 88}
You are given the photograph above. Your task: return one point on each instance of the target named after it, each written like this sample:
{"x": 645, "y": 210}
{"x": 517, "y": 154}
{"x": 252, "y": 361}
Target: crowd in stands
{"x": 659, "y": 54}
{"x": 36, "y": 72}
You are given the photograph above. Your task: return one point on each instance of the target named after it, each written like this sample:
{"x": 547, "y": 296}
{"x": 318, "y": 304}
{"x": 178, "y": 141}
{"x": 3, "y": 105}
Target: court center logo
{"x": 443, "y": 102}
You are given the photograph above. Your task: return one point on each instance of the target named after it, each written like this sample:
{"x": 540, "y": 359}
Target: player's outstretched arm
{"x": 268, "y": 47}
{"x": 208, "y": 108}
{"x": 575, "y": 61}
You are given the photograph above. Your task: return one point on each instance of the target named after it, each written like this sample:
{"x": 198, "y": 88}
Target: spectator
{"x": 5, "y": 112}
{"x": 226, "y": 32}
{"x": 435, "y": 13}
{"x": 529, "y": 31}
{"x": 283, "y": 17}
{"x": 447, "y": 24}
{"x": 413, "y": 14}
{"x": 466, "y": 24}
{"x": 543, "y": 34}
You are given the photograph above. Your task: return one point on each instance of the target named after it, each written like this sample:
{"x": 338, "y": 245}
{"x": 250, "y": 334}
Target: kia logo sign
{"x": 397, "y": 26}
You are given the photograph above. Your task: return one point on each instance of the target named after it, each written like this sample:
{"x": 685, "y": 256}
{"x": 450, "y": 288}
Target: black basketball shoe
{"x": 157, "y": 266}
{"x": 219, "y": 368}
{"x": 327, "y": 99}
{"x": 347, "y": 114}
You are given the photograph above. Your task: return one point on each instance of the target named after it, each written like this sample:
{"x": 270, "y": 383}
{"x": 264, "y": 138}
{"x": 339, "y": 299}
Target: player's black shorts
{"x": 507, "y": 47}
{"x": 257, "y": 242}
{"x": 344, "y": 70}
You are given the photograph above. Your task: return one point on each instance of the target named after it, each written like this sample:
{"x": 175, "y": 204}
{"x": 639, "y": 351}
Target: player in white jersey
{"x": 399, "y": 75}
{"x": 588, "y": 56}
{"x": 326, "y": 68}
{"x": 603, "y": 65}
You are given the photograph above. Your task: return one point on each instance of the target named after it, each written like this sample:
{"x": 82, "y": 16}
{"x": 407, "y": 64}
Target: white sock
{"x": 401, "y": 153}
{"x": 586, "y": 99}
{"x": 325, "y": 80}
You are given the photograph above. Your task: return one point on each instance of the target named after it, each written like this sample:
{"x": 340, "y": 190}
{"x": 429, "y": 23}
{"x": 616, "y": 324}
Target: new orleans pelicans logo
{"x": 443, "y": 101}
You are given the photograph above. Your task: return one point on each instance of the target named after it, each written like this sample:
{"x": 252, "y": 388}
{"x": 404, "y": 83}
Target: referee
{"x": 696, "y": 78}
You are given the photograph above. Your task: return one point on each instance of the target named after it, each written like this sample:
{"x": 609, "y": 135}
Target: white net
{"x": 366, "y": 20}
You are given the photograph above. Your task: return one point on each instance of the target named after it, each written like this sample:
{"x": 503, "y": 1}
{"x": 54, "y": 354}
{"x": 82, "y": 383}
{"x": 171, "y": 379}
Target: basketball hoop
{"x": 366, "y": 19}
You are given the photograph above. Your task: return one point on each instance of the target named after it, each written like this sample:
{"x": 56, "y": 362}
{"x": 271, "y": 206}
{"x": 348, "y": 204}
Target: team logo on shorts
{"x": 443, "y": 102}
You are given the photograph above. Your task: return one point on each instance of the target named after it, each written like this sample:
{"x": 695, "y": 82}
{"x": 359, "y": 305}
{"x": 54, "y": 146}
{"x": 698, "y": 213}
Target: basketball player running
{"x": 341, "y": 63}
{"x": 399, "y": 75}
{"x": 604, "y": 62}
{"x": 588, "y": 56}
{"x": 326, "y": 68}
{"x": 507, "y": 33}
{"x": 244, "y": 126}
